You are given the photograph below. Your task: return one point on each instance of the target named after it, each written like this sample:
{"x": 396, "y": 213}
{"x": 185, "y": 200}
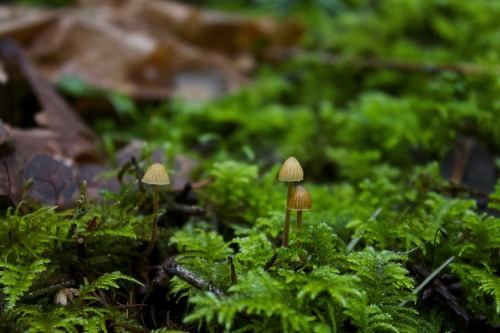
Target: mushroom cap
{"x": 291, "y": 171}
{"x": 156, "y": 175}
{"x": 300, "y": 199}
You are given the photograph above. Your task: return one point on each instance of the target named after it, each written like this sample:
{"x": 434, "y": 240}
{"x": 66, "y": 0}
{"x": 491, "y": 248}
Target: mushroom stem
{"x": 154, "y": 226}
{"x": 299, "y": 228}
{"x": 300, "y": 200}
{"x": 286, "y": 231}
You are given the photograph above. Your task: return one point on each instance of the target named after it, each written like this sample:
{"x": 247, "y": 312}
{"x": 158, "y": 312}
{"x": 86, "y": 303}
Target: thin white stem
{"x": 286, "y": 230}
{"x": 154, "y": 226}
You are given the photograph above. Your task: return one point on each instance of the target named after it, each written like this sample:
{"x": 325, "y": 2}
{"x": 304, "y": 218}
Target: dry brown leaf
{"x": 11, "y": 177}
{"x": 129, "y": 58}
{"x": 23, "y": 23}
{"x": 29, "y": 142}
{"x": 212, "y": 49}
{"x": 228, "y": 33}
{"x": 75, "y": 139}
{"x": 92, "y": 49}
{"x": 33, "y": 155}
{"x": 11, "y": 168}
{"x": 43, "y": 155}
{"x": 52, "y": 182}
{"x": 149, "y": 49}
{"x": 62, "y": 133}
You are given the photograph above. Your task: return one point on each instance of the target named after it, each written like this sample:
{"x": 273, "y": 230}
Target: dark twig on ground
{"x": 333, "y": 59}
{"x": 192, "y": 279}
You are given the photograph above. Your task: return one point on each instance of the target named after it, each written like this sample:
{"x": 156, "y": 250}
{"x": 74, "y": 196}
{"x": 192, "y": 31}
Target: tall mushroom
{"x": 290, "y": 172}
{"x": 300, "y": 200}
{"x": 156, "y": 175}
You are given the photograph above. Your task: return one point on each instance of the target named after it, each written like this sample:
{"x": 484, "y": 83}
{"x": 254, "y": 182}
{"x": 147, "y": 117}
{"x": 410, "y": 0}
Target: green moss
{"x": 373, "y": 126}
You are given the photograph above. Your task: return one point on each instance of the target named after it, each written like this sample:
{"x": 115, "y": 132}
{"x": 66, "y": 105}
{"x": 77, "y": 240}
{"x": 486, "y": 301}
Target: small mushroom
{"x": 290, "y": 172}
{"x": 300, "y": 200}
{"x": 65, "y": 296}
{"x": 156, "y": 175}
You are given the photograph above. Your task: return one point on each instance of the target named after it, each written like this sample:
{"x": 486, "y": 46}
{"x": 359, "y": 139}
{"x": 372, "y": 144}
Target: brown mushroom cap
{"x": 291, "y": 171}
{"x": 300, "y": 199}
{"x": 156, "y": 175}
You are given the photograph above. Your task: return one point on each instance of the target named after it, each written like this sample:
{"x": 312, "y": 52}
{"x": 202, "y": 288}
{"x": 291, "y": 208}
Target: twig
{"x": 233, "y": 271}
{"x": 130, "y": 328}
{"x": 418, "y": 247}
{"x": 186, "y": 209}
{"x": 50, "y": 289}
{"x": 271, "y": 261}
{"x": 189, "y": 277}
{"x": 441, "y": 289}
{"x": 128, "y": 306}
{"x": 461, "y": 158}
{"x": 461, "y": 188}
{"x": 432, "y": 275}
{"x": 378, "y": 63}
{"x": 355, "y": 241}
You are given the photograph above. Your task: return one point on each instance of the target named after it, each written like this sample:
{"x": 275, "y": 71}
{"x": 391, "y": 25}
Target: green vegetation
{"x": 374, "y": 132}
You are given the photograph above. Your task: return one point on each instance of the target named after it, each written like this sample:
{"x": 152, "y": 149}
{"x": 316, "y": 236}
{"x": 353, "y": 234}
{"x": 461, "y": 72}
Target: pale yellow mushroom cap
{"x": 291, "y": 171}
{"x": 156, "y": 175}
{"x": 300, "y": 199}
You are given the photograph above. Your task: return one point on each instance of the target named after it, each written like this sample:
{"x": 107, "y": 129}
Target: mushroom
{"x": 290, "y": 172}
{"x": 66, "y": 296}
{"x": 300, "y": 200}
{"x": 156, "y": 175}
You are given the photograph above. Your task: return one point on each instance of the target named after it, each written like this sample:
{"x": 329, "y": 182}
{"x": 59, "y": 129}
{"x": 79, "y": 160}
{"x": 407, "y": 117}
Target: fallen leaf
{"x": 74, "y": 138}
{"x": 24, "y": 23}
{"x": 11, "y": 168}
{"x": 29, "y": 142}
{"x": 146, "y": 49}
{"x": 149, "y": 49}
{"x": 227, "y": 33}
{"x": 43, "y": 156}
{"x": 53, "y": 182}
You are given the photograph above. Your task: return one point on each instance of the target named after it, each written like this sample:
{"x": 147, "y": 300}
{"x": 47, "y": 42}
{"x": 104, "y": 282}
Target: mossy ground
{"x": 379, "y": 132}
